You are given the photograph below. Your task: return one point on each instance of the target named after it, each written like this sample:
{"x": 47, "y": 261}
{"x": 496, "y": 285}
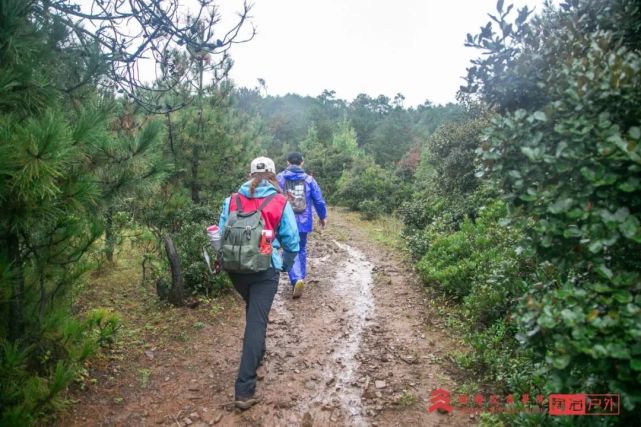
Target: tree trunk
{"x": 177, "y": 292}
{"x": 170, "y": 134}
{"x": 195, "y": 197}
{"x": 17, "y": 289}
{"x": 195, "y": 152}
{"x": 110, "y": 237}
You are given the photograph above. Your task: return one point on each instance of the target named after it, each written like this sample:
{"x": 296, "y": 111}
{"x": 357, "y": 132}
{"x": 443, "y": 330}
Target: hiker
{"x": 303, "y": 192}
{"x": 255, "y": 223}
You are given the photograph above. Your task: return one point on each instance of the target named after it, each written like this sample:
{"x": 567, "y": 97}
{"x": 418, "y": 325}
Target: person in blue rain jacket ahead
{"x": 303, "y": 193}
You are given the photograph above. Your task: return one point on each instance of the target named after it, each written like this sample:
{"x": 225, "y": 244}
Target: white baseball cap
{"x": 263, "y": 164}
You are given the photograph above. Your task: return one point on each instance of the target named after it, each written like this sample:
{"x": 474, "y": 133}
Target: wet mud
{"x": 360, "y": 348}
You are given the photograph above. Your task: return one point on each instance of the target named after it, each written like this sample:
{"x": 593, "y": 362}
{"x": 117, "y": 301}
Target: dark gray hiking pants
{"x": 258, "y": 291}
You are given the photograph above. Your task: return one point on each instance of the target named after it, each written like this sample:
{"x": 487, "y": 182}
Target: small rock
{"x": 149, "y": 354}
{"x": 380, "y": 384}
{"x": 307, "y": 420}
{"x": 188, "y": 421}
{"x": 309, "y": 385}
{"x": 194, "y": 416}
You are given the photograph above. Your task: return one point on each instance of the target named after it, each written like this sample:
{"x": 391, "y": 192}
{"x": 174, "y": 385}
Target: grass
{"x": 384, "y": 230}
{"x": 407, "y": 399}
{"x": 199, "y": 325}
{"x": 146, "y": 323}
{"x": 144, "y": 377}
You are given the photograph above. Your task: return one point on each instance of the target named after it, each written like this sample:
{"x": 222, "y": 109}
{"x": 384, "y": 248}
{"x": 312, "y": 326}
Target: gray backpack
{"x": 296, "y": 195}
{"x": 242, "y": 238}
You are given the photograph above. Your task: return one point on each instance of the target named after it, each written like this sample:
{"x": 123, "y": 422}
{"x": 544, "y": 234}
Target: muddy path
{"x": 360, "y": 348}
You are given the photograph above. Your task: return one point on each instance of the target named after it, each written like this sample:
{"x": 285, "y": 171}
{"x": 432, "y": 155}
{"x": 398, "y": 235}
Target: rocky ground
{"x": 360, "y": 348}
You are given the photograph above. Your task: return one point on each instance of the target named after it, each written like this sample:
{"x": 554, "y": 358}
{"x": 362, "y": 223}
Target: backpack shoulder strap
{"x": 239, "y": 207}
{"x": 266, "y": 201}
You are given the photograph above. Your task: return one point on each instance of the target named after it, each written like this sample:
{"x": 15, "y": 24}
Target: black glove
{"x": 288, "y": 261}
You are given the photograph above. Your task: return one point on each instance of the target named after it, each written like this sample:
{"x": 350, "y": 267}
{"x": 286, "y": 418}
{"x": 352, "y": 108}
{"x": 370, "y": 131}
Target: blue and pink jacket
{"x": 287, "y": 236}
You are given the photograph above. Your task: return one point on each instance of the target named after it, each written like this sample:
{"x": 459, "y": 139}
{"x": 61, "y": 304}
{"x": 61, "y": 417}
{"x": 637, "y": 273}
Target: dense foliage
{"x": 570, "y": 159}
{"x": 521, "y": 203}
{"x": 538, "y": 236}
{"x": 52, "y": 154}
{"x": 74, "y": 159}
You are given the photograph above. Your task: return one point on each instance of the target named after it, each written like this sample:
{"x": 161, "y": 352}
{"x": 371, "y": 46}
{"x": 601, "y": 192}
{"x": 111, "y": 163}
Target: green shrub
{"x": 484, "y": 266}
{"x": 370, "y": 210}
{"x": 481, "y": 255}
{"x": 367, "y": 181}
{"x": 446, "y": 190}
{"x": 191, "y": 239}
{"x": 33, "y": 376}
{"x": 495, "y": 357}
{"x": 567, "y": 151}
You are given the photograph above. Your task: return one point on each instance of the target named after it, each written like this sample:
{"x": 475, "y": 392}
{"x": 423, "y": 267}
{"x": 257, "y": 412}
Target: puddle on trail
{"x": 353, "y": 284}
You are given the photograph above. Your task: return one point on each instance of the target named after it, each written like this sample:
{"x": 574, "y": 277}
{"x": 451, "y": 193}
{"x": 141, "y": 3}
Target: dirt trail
{"x": 358, "y": 349}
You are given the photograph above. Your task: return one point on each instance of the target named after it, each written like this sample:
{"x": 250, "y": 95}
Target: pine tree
{"x": 132, "y": 165}
{"x": 48, "y": 193}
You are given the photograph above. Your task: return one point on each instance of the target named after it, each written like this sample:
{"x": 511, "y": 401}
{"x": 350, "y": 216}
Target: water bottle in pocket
{"x": 213, "y": 232}
{"x": 266, "y": 238}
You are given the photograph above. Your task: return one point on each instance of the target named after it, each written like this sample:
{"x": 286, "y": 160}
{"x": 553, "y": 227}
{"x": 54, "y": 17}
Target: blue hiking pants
{"x": 258, "y": 291}
{"x": 299, "y": 270}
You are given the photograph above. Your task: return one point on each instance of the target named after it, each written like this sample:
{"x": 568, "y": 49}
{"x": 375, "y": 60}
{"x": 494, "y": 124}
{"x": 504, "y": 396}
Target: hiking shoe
{"x": 246, "y": 403}
{"x": 298, "y": 289}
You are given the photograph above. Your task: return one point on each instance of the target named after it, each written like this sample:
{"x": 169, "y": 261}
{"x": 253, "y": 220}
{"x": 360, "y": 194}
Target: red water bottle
{"x": 266, "y": 238}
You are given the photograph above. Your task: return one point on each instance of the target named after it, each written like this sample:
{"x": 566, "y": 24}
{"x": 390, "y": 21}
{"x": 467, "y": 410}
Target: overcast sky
{"x": 414, "y": 47}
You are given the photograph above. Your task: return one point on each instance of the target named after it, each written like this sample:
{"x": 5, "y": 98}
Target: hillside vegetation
{"x": 520, "y": 203}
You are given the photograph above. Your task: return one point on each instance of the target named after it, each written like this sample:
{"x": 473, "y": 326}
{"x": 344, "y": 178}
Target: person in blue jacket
{"x": 303, "y": 193}
{"x": 258, "y": 289}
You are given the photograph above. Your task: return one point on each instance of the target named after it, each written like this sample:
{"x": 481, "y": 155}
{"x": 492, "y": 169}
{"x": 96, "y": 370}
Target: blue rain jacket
{"x": 313, "y": 196}
{"x": 287, "y": 234}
